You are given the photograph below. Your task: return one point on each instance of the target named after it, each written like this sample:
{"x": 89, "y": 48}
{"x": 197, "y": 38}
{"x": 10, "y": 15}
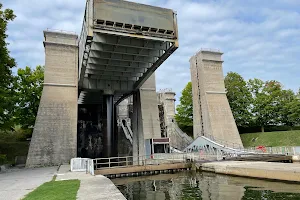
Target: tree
{"x": 184, "y": 116}
{"x": 290, "y": 108}
{"x": 266, "y": 103}
{"x": 294, "y": 112}
{"x": 287, "y": 102}
{"x": 28, "y": 87}
{"x": 6, "y": 64}
{"x": 239, "y": 97}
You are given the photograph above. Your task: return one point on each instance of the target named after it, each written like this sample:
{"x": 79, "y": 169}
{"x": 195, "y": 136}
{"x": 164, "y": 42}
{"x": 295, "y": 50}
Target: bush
{"x": 23, "y": 134}
{"x": 13, "y": 149}
{"x": 3, "y": 159}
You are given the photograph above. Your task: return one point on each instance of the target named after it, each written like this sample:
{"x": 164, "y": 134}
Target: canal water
{"x": 206, "y": 186}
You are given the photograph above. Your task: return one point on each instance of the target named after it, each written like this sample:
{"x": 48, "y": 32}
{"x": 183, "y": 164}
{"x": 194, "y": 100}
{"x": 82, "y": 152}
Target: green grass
{"x": 280, "y": 138}
{"x": 55, "y": 190}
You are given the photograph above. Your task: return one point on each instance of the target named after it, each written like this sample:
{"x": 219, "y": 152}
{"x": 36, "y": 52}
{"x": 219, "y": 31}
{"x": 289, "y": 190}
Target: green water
{"x": 207, "y": 186}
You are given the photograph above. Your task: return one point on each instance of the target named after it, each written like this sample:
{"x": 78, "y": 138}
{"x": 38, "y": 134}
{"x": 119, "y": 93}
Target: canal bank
{"x": 91, "y": 187}
{"x": 262, "y": 170}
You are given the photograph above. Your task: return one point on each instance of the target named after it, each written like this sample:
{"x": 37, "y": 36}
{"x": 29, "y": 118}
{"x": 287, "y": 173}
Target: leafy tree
{"x": 28, "y": 87}
{"x": 287, "y": 102}
{"x": 266, "y": 103}
{"x": 6, "y": 64}
{"x": 239, "y": 98}
{"x": 295, "y": 112}
{"x": 290, "y": 112}
{"x": 184, "y": 116}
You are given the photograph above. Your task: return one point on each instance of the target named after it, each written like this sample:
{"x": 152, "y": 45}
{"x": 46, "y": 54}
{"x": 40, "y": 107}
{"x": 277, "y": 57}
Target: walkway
{"x": 91, "y": 187}
{"x": 265, "y": 170}
{"x": 16, "y": 184}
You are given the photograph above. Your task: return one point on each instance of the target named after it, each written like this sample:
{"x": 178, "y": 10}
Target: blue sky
{"x": 259, "y": 38}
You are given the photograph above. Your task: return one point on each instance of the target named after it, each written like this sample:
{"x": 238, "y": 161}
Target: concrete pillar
{"x": 108, "y": 124}
{"x": 115, "y": 134}
{"x": 145, "y": 122}
{"x": 169, "y": 108}
{"x": 212, "y": 115}
{"x": 137, "y": 129}
{"x": 54, "y": 139}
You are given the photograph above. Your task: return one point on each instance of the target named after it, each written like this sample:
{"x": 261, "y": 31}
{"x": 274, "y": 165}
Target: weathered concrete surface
{"x": 145, "y": 119}
{"x": 211, "y": 111}
{"x": 265, "y": 170}
{"x": 16, "y": 184}
{"x": 54, "y": 138}
{"x": 91, "y": 187}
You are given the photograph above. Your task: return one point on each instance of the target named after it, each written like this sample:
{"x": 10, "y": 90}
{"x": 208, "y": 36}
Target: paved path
{"x": 266, "y": 170}
{"x": 15, "y": 185}
{"x": 91, "y": 187}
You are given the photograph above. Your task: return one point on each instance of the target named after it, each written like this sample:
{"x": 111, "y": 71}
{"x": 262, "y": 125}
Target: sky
{"x": 259, "y": 38}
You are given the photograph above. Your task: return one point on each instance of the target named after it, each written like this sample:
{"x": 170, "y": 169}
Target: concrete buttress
{"x": 212, "y": 115}
{"x": 145, "y": 120}
{"x": 54, "y": 137}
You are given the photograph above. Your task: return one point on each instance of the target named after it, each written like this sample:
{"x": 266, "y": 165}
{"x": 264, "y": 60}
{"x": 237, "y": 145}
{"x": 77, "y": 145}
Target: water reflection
{"x": 207, "y": 186}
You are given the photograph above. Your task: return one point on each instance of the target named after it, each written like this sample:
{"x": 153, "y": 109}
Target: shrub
{"x": 3, "y": 159}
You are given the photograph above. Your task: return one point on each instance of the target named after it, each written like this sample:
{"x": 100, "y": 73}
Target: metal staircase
{"x": 126, "y": 128}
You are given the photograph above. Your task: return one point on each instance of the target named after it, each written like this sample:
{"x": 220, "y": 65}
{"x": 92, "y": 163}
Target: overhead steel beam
{"x": 118, "y": 64}
{"x": 123, "y": 56}
{"x": 121, "y": 59}
{"x": 124, "y": 96}
{"x": 128, "y": 50}
{"x": 152, "y": 69}
{"x": 134, "y": 35}
{"x": 109, "y": 73}
{"x": 129, "y": 42}
{"x": 116, "y": 68}
{"x": 84, "y": 62}
{"x": 111, "y": 78}
{"x": 115, "y": 85}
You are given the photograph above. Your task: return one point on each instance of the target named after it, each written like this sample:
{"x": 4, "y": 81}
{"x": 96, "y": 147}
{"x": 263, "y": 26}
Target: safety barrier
{"x": 79, "y": 164}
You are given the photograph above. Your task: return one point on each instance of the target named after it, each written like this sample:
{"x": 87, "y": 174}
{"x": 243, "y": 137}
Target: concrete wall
{"x": 212, "y": 113}
{"x": 54, "y": 137}
{"x": 149, "y": 109}
{"x": 145, "y": 119}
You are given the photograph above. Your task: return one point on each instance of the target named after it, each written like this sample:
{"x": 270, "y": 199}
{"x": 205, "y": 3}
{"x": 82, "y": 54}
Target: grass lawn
{"x": 55, "y": 190}
{"x": 280, "y": 138}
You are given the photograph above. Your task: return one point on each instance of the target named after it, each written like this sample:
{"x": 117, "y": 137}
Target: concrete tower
{"x": 55, "y": 133}
{"x": 178, "y": 139}
{"x": 212, "y": 115}
{"x": 167, "y": 99}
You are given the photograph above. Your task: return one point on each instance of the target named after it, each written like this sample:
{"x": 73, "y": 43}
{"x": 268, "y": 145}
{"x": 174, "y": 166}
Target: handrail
{"x": 155, "y": 159}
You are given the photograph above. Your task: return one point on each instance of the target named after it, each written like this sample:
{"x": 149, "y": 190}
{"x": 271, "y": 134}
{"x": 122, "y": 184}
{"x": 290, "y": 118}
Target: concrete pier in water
{"x": 263, "y": 170}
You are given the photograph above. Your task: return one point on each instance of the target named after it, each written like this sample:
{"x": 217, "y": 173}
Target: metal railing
{"x": 202, "y": 154}
{"x": 275, "y": 150}
{"x": 157, "y": 159}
